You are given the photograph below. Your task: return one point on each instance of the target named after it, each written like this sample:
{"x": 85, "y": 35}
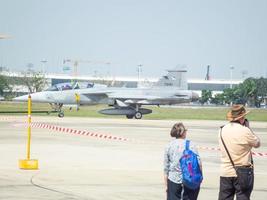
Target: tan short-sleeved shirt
{"x": 239, "y": 141}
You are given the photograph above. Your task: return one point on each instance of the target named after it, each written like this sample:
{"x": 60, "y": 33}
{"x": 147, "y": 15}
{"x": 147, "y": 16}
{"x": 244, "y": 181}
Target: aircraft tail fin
{"x": 174, "y": 78}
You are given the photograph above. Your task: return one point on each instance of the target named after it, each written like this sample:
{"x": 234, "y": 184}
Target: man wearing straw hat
{"x": 238, "y": 139}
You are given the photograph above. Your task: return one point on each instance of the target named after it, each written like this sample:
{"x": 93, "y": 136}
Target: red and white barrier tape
{"x": 218, "y": 149}
{"x": 3, "y": 118}
{"x": 259, "y": 154}
{"x": 209, "y": 148}
{"x": 78, "y": 132}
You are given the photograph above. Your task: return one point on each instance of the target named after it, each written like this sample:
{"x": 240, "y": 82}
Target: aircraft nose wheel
{"x": 138, "y": 115}
{"x": 61, "y": 114}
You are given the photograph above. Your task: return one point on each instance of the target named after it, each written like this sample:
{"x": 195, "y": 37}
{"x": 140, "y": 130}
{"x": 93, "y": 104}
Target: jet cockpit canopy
{"x": 73, "y": 86}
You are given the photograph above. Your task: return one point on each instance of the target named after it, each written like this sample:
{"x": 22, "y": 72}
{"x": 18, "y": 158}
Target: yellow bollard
{"x": 28, "y": 163}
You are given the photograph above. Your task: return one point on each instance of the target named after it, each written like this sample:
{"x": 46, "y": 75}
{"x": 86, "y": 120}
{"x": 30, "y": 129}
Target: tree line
{"x": 251, "y": 92}
{"x": 34, "y": 81}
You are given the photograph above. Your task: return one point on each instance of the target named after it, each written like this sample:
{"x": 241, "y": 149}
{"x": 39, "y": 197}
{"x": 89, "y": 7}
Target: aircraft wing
{"x": 134, "y": 99}
{"x": 122, "y": 100}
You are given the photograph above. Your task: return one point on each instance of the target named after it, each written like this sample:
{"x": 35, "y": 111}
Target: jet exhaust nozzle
{"x": 195, "y": 96}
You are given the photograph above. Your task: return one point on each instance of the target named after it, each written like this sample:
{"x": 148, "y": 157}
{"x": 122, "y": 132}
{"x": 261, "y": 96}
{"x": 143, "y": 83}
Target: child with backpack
{"x": 182, "y": 166}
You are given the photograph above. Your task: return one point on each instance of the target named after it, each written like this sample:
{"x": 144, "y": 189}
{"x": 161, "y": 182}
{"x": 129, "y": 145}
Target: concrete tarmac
{"x": 75, "y": 166}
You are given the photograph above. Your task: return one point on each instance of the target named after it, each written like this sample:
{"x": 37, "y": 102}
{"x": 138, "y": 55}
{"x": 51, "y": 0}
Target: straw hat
{"x": 236, "y": 112}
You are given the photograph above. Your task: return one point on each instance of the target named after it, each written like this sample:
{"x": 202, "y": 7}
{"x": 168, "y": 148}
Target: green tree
{"x": 218, "y": 99}
{"x": 252, "y": 92}
{"x": 238, "y": 96}
{"x": 35, "y": 81}
{"x": 205, "y": 96}
{"x": 249, "y": 87}
{"x": 229, "y": 96}
{"x": 3, "y": 85}
{"x": 261, "y": 91}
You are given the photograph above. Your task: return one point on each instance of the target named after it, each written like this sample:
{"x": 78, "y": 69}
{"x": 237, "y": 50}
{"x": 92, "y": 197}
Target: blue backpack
{"x": 191, "y": 173}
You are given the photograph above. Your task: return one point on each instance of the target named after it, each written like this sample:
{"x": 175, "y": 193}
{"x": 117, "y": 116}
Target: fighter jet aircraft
{"x": 168, "y": 90}
{"x": 67, "y": 94}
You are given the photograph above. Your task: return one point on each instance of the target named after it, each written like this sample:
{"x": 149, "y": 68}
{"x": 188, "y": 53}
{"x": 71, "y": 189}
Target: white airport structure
{"x": 197, "y": 85}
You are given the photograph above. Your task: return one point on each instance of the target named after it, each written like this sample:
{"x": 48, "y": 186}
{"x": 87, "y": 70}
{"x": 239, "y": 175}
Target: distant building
{"x": 197, "y": 85}
{"x": 216, "y": 86}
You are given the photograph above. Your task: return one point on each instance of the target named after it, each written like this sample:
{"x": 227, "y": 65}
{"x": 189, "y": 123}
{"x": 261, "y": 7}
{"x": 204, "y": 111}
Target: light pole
{"x": 139, "y": 70}
{"x": 244, "y": 74}
{"x": 231, "y": 76}
{"x": 108, "y": 69}
{"x": 43, "y": 65}
{"x": 3, "y": 37}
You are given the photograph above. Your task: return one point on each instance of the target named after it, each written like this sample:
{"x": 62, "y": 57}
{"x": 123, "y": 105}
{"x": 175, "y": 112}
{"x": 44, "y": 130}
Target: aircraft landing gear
{"x": 61, "y": 114}
{"x": 57, "y": 107}
{"x": 138, "y": 115}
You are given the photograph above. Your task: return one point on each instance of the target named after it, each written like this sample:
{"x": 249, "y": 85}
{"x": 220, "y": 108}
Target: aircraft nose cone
{"x": 195, "y": 96}
{"x": 21, "y": 98}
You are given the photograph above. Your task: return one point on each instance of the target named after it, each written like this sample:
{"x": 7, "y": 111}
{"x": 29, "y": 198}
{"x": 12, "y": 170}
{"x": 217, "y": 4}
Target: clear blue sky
{"x": 155, "y": 33}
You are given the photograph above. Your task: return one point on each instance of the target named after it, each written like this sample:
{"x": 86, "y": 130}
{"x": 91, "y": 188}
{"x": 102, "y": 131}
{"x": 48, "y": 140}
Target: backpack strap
{"x": 187, "y": 142}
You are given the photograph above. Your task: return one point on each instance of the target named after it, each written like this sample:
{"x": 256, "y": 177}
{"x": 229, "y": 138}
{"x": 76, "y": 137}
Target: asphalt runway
{"x": 113, "y": 159}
